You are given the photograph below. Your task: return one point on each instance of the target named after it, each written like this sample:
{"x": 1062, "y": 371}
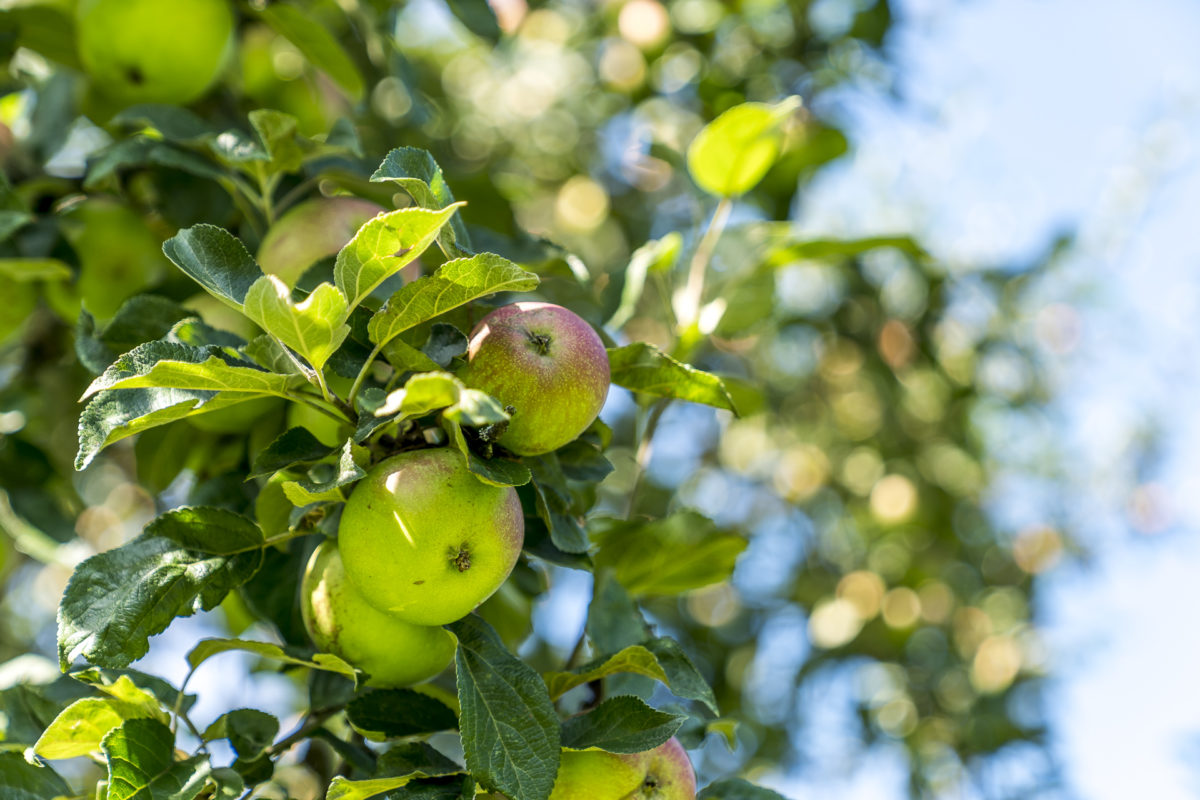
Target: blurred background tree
{"x": 874, "y": 600}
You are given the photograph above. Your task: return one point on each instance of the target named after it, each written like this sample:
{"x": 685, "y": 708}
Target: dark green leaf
{"x": 141, "y": 764}
{"x": 666, "y": 557}
{"x": 614, "y": 621}
{"x": 173, "y": 123}
{"x": 620, "y": 725}
{"x": 142, "y": 318}
{"x": 185, "y": 561}
{"x": 216, "y": 259}
{"x": 494, "y": 471}
{"x": 644, "y": 368}
{"x": 445, "y": 343}
{"x": 316, "y": 43}
{"x": 280, "y": 139}
{"x": 20, "y": 780}
{"x": 171, "y": 365}
{"x": 554, "y": 504}
{"x": 326, "y": 481}
{"x": 478, "y": 18}
{"x": 249, "y": 731}
{"x": 142, "y": 151}
{"x": 737, "y": 789}
{"x": 46, "y": 29}
{"x": 392, "y": 713}
{"x": 413, "y": 757}
{"x": 510, "y": 730}
{"x": 293, "y": 446}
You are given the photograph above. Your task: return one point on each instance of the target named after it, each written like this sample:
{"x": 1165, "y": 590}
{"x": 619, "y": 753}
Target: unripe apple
{"x": 664, "y": 773}
{"x": 424, "y": 539}
{"x": 148, "y": 51}
{"x": 393, "y": 652}
{"x": 547, "y": 364}
{"x": 313, "y": 230}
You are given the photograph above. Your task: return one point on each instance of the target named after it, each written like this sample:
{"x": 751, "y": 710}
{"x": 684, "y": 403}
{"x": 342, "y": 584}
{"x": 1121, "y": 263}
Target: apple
{"x": 545, "y": 362}
{"x": 148, "y": 51}
{"x": 424, "y": 539}
{"x": 313, "y": 230}
{"x": 20, "y": 300}
{"x": 394, "y": 653}
{"x": 664, "y": 773}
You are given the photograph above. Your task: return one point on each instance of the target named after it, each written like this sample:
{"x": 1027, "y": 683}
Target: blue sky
{"x": 1019, "y": 119}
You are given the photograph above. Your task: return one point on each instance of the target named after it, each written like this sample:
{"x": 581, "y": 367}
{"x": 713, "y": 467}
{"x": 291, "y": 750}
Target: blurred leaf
{"x": 141, "y": 318}
{"x": 620, "y": 725}
{"x": 824, "y": 249}
{"x": 141, "y": 764}
{"x": 478, "y": 17}
{"x": 455, "y": 284}
{"x": 20, "y": 780}
{"x": 416, "y": 172}
{"x": 732, "y": 153}
{"x": 737, "y": 789}
{"x": 280, "y": 139}
{"x": 46, "y": 29}
{"x": 510, "y": 731}
{"x": 34, "y": 269}
{"x": 173, "y": 123}
{"x": 669, "y": 556}
{"x": 394, "y": 713}
{"x": 142, "y": 151}
{"x": 316, "y": 43}
{"x": 314, "y": 327}
{"x": 185, "y": 561}
{"x": 384, "y": 246}
{"x": 644, "y": 368}
{"x": 216, "y": 260}
{"x": 614, "y": 621}
{"x": 654, "y": 255}
{"x": 207, "y": 648}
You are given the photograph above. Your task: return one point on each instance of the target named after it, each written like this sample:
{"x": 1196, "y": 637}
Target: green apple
{"x": 311, "y": 231}
{"x": 118, "y": 255}
{"x": 150, "y": 51}
{"x": 394, "y": 653}
{"x": 664, "y": 773}
{"x": 426, "y": 540}
{"x": 547, "y": 364}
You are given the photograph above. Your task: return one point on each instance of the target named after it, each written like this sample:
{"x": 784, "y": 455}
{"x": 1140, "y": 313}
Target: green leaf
{"x": 660, "y": 658}
{"x": 831, "y": 249}
{"x": 614, "y": 620}
{"x": 179, "y": 366}
{"x": 20, "y": 780}
{"x": 555, "y": 504}
{"x": 510, "y": 731}
{"x": 398, "y": 767}
{"x": 113, "y": 683}
{"x": 657, "y": 254}
{"x": 391, "y": 713}
{"x": 732, "y": 153}
{"x": 143, "y": 151}
{"x": 173, "y": 123}
{"x": 455, "y": 283}
{"x": 142, "y": 766}
{"x": 293, "y": 446}
{"x": 327, "y": 481}
{"x": 120, "y": 413}
{"x": 421, "y": 394}
{"x": 415, "y": 171}
{"x": 215, "y": 259}
{"x": 384, "y": 246}
{"x": 643, "y": 368}
{"x": 81, "y": 726}
{"x": 185, "y": 561}
{"x": 47, "y": 30}
{"x": 492, "y": 471}
{"x": 737, "y": 789}
{"x": 316, "y": 43}
{"x": 249, "y": 731}
{"x": 24, "y": 270}
{"x": 314, "y": 327}
{"x": 207, "y": 648}
{"x": 141, "y": 318}
{"x": 620, "y": 725}
{"x": 278, "y": 133}
{"x": 478, "y": 18}
{"x": 666, "y": 557}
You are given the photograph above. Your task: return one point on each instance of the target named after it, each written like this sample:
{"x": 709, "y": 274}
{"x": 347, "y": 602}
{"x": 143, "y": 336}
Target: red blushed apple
{"x": 545, "y": 362}
{"x": 664, "y": 773}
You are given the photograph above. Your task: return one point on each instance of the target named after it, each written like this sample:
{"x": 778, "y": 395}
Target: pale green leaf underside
{"x": 207, "y": 648}
{"x": 178, "y": 366}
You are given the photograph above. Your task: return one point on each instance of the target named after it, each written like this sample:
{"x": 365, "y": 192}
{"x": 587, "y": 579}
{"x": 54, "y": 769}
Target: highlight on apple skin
{"x": 425, "y": 540}
{"x": 548, "y": 364}
{"x": 392, "y": 652}
{"x": 664, "y": 773}
{"x": 311, "y": 231}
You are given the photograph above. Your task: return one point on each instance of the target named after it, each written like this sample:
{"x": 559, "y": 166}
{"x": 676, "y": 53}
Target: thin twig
{"x": 644, "y": 451}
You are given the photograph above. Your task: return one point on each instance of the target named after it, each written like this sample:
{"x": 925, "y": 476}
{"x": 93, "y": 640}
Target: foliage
{"x": 836, "y": 381}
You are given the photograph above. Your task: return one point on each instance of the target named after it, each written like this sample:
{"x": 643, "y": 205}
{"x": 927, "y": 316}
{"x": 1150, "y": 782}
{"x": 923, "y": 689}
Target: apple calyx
{"x": 540, "y": 342}
{"x": 460, "y": 557}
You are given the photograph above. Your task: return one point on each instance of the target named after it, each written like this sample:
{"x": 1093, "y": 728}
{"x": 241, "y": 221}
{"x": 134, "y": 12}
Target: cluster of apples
{"x": 422, "y": 541}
